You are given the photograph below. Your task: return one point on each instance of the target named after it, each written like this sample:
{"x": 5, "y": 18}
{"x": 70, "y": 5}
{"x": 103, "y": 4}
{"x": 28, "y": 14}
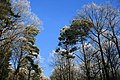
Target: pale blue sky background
{"x": 55, "y": 14}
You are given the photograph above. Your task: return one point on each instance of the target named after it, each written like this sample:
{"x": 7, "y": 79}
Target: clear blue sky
{"x": 54, "y": 14}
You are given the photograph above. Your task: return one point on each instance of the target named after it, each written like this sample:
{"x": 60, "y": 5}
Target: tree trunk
{"x": 18, "y": 67}
{"x": 116, "y": 41}
{"x": 29, "y": 73}
{"x": 85, "y": 61}
{"x": 103, "y": 61}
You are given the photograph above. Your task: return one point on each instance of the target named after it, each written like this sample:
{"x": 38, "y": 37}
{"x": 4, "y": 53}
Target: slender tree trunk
{"x": 111, "y": 66}
{"x": 60, "y": 72}
{"x": 103, "y": 61}
{"x": 17, "y": 70}
{"x": 116, "y": 41}
{"x": 101, "y": 78}
{"x": 29, "y": 73}
{"x": 69, "y": 69}
{"x": 85, "y": 61}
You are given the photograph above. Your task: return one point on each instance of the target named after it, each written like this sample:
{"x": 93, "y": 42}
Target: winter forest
{"x": 88, "y": 47}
